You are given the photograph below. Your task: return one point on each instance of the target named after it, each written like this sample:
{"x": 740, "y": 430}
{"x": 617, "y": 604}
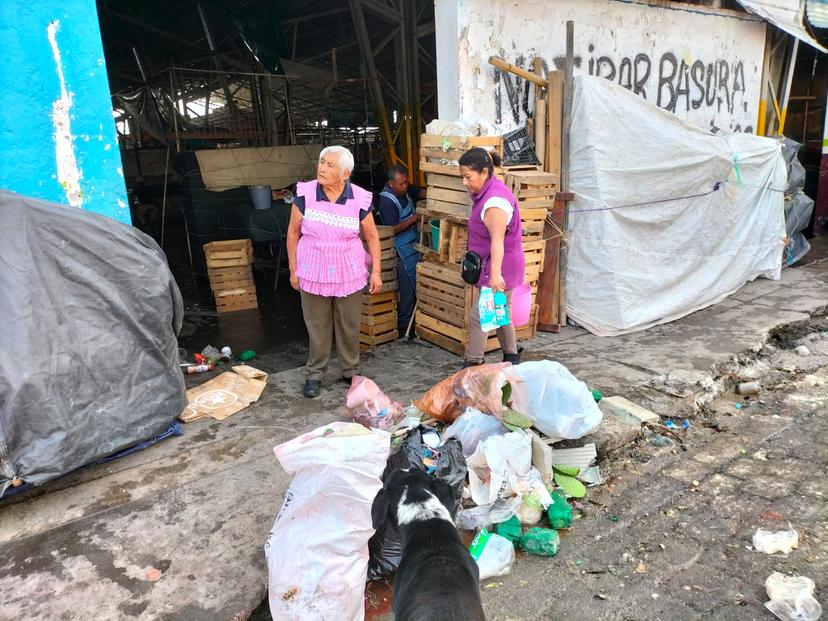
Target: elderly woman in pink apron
{"x": 328, "y": 264}
{"x": 495, "y": 236}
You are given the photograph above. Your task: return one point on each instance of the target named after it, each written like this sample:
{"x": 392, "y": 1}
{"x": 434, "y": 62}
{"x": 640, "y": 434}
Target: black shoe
{"x": 513, "y": 358}
{"x": 346, "y": 380}
{"x": 311, "y": 388}
{"x": 470, "y": 363}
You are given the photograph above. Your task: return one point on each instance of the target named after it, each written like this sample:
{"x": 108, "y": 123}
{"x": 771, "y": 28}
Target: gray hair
{"x": 346, "y": 158}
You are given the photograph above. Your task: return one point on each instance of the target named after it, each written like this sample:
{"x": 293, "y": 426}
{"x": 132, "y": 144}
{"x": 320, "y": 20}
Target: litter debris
{"x": 226, "y": 354}
{"x": 801, "y": 350}
{"x": 748, "y": 388}
{"x": 493, "y": 554}
{"x": 515, "y": 420}
{"x": 770, "y": 542}
{"x": 371, "y": 407}
{"x": 511, "y": 529}
{"x": 477, "y": 517}
{"x": 225, "y": 395}
{"x": 597, "y": 395}
{"x": 581, "y": 458}
{"x": 191, "y": 369}
{"x": 738, "y": 405}
{"x": 472, "y": 427}
{"x": 542, "y": 458}
{"x": 480, "y": 387}
{"x": 661, "y": 441}
{"x": 565, "y": 478}
{"x": 624, "y": 407}
{"x": 323, "y": 575}
{"x": 529, "y": 511}
{"x": 540, "y": 541}
{"x": 559, "y": 405}
{"x": 247, "y": 355}
{"x": 792, "y": 597}
{"x": 591, "y": 476}
{"x": 559, "y": 512}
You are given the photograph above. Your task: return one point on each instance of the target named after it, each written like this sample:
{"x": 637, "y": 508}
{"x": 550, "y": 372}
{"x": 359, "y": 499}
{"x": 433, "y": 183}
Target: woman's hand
{"x": 294, "y": 281}
{"x": 374, "y": 283}
{"x": 497, "y": 283}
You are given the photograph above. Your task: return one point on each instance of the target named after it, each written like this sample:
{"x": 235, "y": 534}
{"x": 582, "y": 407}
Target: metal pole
{"x": 786, "y": 95}
{"x": 164, "y": 199}
{"x": 567, "y": 120}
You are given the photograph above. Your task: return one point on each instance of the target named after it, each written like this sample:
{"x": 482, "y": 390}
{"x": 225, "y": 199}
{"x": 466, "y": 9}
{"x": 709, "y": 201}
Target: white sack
{"x": 317, "y": 550}
{"x": 634, "y": 267}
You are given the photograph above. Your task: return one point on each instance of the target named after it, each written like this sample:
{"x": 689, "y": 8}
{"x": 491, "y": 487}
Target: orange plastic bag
{"x": 480, "y": 387}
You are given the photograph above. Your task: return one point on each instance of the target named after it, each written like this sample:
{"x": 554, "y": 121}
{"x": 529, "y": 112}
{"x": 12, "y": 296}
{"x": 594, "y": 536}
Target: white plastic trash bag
{"x": 472, "y": 427}
{"x": 559, "y": 404}
{"x": 317, "y": 550}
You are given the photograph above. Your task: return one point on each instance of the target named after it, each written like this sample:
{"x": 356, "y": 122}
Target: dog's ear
{"x": 379, "y": 509}
{"x": 444, "y": 493}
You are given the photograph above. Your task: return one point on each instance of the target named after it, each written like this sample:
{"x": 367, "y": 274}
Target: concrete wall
{"x": 703, "y": 65}
{"x": 57, "y": 134}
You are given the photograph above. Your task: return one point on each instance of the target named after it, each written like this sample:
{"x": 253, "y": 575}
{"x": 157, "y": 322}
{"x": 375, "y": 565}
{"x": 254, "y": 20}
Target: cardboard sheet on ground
{"x": 225, "y": 395}
{"x": 668, "y": 218}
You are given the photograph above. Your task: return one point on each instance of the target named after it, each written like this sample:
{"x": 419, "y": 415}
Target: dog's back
{"x": 437, "y": 577}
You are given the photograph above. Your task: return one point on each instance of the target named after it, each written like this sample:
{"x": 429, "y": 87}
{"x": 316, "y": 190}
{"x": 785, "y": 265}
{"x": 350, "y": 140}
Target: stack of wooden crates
{"x": 443, "y": 298}
{"x": 231, "y": 275}
{"x": 379, "y": 311}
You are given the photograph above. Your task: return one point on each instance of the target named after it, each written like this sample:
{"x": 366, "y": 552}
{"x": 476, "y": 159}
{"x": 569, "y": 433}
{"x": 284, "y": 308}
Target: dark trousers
{"x": 407, "y": 279}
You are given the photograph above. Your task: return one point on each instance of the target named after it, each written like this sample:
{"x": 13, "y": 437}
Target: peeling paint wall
{"x": 57, "y": 135}
{"x": 705, "y": 67}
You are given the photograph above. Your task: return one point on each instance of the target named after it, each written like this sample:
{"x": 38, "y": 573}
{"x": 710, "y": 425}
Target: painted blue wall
{"x": 91, "y": 176}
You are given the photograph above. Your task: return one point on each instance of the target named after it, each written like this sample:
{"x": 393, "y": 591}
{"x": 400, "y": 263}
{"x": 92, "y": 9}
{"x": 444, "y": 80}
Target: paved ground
{"x": 176, "y": 531}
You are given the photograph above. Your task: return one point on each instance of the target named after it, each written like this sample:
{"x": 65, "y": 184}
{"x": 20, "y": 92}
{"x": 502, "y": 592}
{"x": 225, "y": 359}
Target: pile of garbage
{"x": 488, "y": 431}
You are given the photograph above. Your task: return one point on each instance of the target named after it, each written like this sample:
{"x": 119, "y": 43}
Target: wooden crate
{"x": 439, "y": 154}
{"x": 225, "y": 278}
{"x": 378, "y": 323}
{"x": 230, "y": 301}
{"x": 230, "y": 253}
{"x": 443, "y": 303}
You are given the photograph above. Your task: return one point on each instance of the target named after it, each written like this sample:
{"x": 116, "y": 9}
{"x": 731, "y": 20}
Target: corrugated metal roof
{"x": 817, "y": 11}
{"x": 787, "y": 15}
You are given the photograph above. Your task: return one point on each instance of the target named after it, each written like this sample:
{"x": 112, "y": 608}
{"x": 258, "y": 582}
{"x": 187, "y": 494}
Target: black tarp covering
{"x": 89, "y": 314}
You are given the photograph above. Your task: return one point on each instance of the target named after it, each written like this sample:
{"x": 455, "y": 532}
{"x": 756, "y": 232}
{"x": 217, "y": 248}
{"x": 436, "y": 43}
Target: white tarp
{"x": 787, "y": 15}
{"x": 651, "y": 239}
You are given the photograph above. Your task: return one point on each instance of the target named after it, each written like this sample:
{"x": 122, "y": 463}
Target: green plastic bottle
{"x": 540, "y": 541}
{"x": 559, "y": 512}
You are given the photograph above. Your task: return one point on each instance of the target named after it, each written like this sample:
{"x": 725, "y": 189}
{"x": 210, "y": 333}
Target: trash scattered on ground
{"x": 559, "y": 512}
{"x": 792, "y": 597}
{"x": 529, "y": 511}
{"x": 625, "y": 408}
{"x": 772, "y": 542}
{"x": 661, "y": 441}
{"x": 738, "y": 405}
{"x": 515, "y": 420}
{"x": 670, "y": 424}
{"x": 540, "y": 541}
{"x": 480, "y": 387}
{"x": 565, "y": 478}
{"x": 225, "y": 395}
{"x": 474, "y": 518}
{"x": 748, "y": 388}
{"x": 316, "y": 549}
{"x": 597, "y": 395}
{"x": 371, "y": 407}
{"x": 226, "y": 354}
{"x": 493, "y": 554}
{"x": 198, "y": 368}
{"x": 581, "y": 458}
{"x": 247, "y": 355}
{"x": 511, "y": 529}
{"x": 802, "y": 350}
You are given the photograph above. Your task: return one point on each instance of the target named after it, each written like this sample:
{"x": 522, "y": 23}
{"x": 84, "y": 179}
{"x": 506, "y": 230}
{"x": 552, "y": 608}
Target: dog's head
{"x": 411, "y": 495}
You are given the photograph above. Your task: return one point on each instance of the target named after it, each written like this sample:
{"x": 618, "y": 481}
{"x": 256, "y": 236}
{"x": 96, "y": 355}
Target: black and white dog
{"x": 437, "y": 577}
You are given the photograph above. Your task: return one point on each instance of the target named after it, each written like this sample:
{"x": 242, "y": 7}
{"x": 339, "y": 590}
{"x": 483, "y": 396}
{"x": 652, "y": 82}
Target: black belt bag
{"x": 471, "y": 267}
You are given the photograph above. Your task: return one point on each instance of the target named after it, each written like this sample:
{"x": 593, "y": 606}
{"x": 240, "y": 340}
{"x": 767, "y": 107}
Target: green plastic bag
{"x": 540, "y": 541}
{"x": 510, "y": 529}
{"x": 559, "y": 512}
{"x": 246, "y": 355}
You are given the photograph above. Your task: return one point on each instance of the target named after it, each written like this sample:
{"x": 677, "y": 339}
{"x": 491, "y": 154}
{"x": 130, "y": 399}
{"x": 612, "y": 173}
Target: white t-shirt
{"x": 499, "y": 203}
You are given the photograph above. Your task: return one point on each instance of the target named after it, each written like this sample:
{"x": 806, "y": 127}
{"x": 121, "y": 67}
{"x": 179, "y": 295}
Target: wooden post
{"x": 567, "y": 121}
{"x": 549, "y": 284}
{"x": 540, "y": 116}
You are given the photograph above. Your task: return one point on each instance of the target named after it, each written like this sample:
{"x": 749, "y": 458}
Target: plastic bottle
{"x": 540, "y": 541}
{"x": 199, "y": 368}
{"x": 501, "y": 309}
{"x": 493, "y": 554}
{"x": 559, "y": 512}
{"x": 226, "y": 353}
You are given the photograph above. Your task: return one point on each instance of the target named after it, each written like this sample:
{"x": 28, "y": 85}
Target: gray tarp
{"x": 89, "y": 314}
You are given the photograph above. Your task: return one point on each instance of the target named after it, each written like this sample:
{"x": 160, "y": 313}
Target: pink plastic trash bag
{"x": 371, "y": 407}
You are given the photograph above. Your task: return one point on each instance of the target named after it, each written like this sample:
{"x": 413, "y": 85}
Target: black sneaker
{"x": 346, "y": 380}
{"x": 470, "y": 363}
{"x": 311, "y": 388}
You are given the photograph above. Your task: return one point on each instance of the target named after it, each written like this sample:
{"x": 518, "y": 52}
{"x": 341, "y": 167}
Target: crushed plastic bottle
{"x": 493, "y": 554}
{"x": 540, "y": 541}
{"x": 199, "y": 368}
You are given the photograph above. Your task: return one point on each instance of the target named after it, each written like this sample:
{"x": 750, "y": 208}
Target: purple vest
{"x": 514, "y": 263}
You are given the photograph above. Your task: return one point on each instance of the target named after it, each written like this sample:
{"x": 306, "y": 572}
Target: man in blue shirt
{"x": 397, "y": 209}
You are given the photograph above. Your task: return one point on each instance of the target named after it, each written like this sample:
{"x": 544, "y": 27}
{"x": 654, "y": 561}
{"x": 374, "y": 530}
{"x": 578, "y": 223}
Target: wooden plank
{"x": 547, "y": 191}
{"x": 443, "y": 169}
{"x": 450, "y": 196}
{"x": 549, "y": 281}
{"x": 554, "y": 120}
{"x": 376, "y": 310}
{"x": 532, "y": 213}
{"x": 440, "y": 340}
{"x": 441, "y": 327}
{"x": 439, "y": 208}
{"x": 461, "y": 142}
{"x": 449, "y": 182}
{"x": 390, "y": 285}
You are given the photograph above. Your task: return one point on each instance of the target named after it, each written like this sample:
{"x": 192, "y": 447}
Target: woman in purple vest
{"x": 494, "y": 234}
